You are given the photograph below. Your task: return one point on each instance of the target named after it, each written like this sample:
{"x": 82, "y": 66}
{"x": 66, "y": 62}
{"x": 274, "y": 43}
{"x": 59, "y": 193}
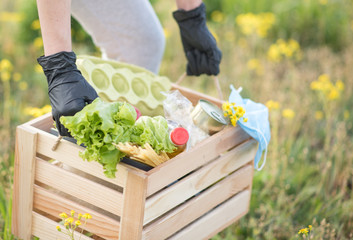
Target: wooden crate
{"x": 192, "y": 196}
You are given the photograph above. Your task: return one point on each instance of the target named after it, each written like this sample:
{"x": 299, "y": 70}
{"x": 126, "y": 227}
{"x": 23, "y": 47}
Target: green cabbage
{"x": 152, "y": 130}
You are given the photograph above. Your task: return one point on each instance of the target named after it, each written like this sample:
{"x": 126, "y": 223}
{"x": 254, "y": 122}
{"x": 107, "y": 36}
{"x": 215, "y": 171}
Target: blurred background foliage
{"x": 294, "y": 56}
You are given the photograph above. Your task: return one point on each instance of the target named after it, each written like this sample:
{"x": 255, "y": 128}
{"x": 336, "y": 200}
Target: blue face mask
{"x": 257, "y": 126}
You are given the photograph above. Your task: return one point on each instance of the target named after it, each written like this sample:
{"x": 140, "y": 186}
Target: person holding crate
{"x": 127, "y": 31}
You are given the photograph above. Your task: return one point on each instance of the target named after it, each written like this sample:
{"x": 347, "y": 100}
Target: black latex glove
{"x": 200, "y": 46}
{"x": 68, "y": 91}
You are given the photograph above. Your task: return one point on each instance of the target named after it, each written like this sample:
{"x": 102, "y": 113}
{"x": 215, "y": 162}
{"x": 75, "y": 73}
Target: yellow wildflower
{"x": 257, "y": 24}
{"x": 38, "y": 42}
{"x": 58, "y": 228}
{"x": 346, "y": 115}
{"x": 35, "y": 24}
{"x": 38, "y": 68}
{"x": 5, "y": 76}
{"x": 319, "y": 115}
{"x": 69, "y": 220}
{"x": 166, "y": 33}
{"x": 303, "y": 231}
{"x": 77, "y": 223}
{"x": 87, "y": 216}
{"x": 284, "y": 49}
{"x": 66, "y": 224}
{"x": 63, "y": 215}
{"x": 245, "y": 119}
{"x": 79, "y": 216}
{"x": 334, "y": 94}
{"x": 72, "y": 212}
{"x": 288, "y": 113}
{"x": 323, "y": 2}
{"x": 10, "y": 17}
{"x": 23, "y": 86}
{"x": 217, "y": 16}
{"x": 310, "y": 227}
{"x": 5, "y": 65}
{"x": 226, "y": 106}
{"x": 272, "y": 105}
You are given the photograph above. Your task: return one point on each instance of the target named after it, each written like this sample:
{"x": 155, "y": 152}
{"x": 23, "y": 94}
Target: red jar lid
{"x": 179, "y": 136}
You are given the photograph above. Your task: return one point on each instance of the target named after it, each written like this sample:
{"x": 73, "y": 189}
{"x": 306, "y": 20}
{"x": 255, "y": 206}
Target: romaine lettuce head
{"x": 97, "y": 126}
{"x": 152, "y": 130}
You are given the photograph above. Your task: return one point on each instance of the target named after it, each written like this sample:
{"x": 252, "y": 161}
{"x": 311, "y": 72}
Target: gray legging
{"x": 125, "y": 30}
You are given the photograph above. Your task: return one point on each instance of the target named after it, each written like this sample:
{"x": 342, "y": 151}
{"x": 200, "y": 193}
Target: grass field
{"x": 294, "y": 56}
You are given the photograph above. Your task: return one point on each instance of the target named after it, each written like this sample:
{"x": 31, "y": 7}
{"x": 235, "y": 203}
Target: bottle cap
{"x": 179, "y": 136}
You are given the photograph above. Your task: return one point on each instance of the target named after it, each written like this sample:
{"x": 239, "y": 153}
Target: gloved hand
{"x": 200, "y": 46}
{"x": 68, "y": 91}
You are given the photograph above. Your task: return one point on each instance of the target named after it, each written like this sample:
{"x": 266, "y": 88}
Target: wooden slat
{"x": 44, "y": 122}
{"x": 45, "y": 229}
{"x": 68, "y": 153}
{"x": 134, "y": 202}
{"x": 54, "y": 204}
{"x": 174, "y": 195}
{"x": 186, "y": 162}
{"x": 194, "y": 96}
{"x": 186, "y": 213}
{"x": 79, "y": 187}
{"x": 23, "y": 182}
{"x": 216, "y": 220}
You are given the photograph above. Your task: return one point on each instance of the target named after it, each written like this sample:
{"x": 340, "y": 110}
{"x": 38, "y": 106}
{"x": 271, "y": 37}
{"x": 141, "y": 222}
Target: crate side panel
{"x": 186, "y": 162}
{"x": 23, "y": 182}
{"x": 179, "y": 192}
{"x": 44, "y": 122}
{"x": 68, "y": 153}
{"x": 54, "y": 204}
{"x": 44, "y": 228}
{"x": 79, "y": 187}
{"x": 216, "y": 220}
{"x": 196, "y": 207}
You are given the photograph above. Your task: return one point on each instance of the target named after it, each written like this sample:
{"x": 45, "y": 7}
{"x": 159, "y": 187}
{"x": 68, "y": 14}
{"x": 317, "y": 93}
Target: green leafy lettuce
{"x": 100, "y": 124}
{"x": 152, "y": 130}
{"x": 97, "y": 126}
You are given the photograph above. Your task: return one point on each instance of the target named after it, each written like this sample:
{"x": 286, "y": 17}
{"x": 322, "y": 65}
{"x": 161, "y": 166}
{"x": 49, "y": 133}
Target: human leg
{"x": 127, "y": 31}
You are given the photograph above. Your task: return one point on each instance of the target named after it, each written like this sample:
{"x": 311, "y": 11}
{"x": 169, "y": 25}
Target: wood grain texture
{"x": 44, "y": 122}
{"x": 25, "y": 152}
{"x": 79, "y": 187}
{"x": 199, "y": 205}
{"x": 179, "y": 192}
{"x": 133, "y": 211}
{"x": 68, "y": 153}
{"x": 216, "y": 220}
{"x": 45, "y": 229}
{"x": 199, "y": 155}
{"x": 54, "y": 204}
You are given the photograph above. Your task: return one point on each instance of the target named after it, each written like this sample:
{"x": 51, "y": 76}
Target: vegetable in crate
{"x": 99, "y": 125}
{"x": 153, "y": 130}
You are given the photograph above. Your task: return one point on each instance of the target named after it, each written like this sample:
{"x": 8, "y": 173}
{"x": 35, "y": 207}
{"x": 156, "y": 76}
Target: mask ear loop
{"x": 265, "y": 156}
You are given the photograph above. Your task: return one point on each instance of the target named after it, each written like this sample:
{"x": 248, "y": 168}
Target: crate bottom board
{"x": 203, "y": 228}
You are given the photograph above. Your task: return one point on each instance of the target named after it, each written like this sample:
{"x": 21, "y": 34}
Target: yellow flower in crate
{"x": 233, "y": 112}
{"x": 87, "y": 216}
{"x": 63, "y": 215}
{"x": 69, "y": 220}
{"x": 77, "y": 222}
